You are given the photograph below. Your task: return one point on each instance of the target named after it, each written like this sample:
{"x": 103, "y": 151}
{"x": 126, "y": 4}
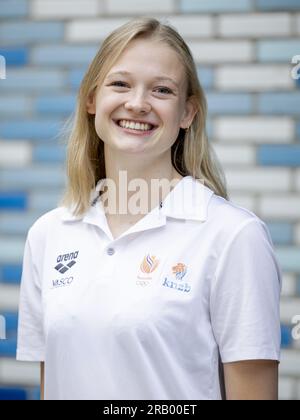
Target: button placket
{"x": 110, "y": 251}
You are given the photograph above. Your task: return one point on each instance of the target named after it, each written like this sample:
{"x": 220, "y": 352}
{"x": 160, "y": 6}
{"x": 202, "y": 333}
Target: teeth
{"x": 134, "y": 126}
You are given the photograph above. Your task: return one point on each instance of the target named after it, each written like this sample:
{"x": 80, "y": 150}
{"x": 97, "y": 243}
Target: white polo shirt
{"x": 146, "y": 316}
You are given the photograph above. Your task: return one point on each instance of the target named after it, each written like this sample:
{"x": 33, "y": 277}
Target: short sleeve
{"x": 245, "y": 296}
{"x": 30, "y": 345}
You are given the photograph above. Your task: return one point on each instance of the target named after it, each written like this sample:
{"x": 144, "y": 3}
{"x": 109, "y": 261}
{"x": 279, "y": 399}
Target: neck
{"x": 141, "y": 175}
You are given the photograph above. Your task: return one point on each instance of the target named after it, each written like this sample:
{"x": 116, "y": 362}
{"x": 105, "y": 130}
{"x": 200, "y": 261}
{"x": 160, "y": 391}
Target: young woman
{"x": 180, "y": 301}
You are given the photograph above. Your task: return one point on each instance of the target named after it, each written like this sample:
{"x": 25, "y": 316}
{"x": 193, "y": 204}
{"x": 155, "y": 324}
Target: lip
{"x": 135, "y": 132}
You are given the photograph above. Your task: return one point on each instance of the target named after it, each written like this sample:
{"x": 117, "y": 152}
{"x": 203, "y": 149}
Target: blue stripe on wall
{"x": 11, "y": 273}
{"x": 276, "y": 155}
{"x": 13, "y": 201}
{"x": 15, "y": 56}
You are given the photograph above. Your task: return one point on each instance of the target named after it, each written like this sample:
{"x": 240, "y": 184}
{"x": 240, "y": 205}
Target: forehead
{"x": 150, "y": 59}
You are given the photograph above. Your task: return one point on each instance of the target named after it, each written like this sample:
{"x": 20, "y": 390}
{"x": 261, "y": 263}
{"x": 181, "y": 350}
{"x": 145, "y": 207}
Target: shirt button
{"x": 110, "y": 251}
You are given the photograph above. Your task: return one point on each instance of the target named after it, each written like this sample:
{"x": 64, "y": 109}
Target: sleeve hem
{"x": 236, "y": 356}
{"x": 30, "y": 356}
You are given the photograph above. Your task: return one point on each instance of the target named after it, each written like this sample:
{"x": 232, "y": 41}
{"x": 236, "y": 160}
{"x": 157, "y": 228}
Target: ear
{"x": 91, "y": 103}
{"x": 190, "y": 111}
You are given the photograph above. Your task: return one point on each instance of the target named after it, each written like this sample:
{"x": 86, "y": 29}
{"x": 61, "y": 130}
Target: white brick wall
{"x": 226, "y": 43}
{"x": 297, "y": 179}
{"x": 235, "y": 155}
{"x": 255, "y": 25}
{"x": 247, "y": 201}
{"x": 136, "y": 7}
{"x": 9, "y": 297}
{"x": 286, "y": 388}
{"x": 222, "y": 51}
{"x": 288, "y": 284}
{"x": 98, "y": 29}
{"x": 258, "y": 180}
{"x": 92, "y": 30}
{"x": 15, "y": 153}
{"x": 11, "y": 250}
{"x": 62, "y": 9}
{"x": 254, "y": 129}
{"x": 298, "y": 23}
{"x": 254, "y": 78}
{"x": 289, "y": 308}
{"x": 290, "y": 363}
{"x": 284, "y": 206}
{"x": 193, "y": 26}
{"x": 23, "y": 373}
{"x": 297, "y": 233}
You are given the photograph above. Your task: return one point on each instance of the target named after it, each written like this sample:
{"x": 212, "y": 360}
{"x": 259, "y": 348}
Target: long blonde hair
{"x": 191, "y": 153}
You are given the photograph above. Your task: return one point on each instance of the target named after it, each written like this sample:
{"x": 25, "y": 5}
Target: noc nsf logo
{"x": 179, "y": 271}
{"x": 149, "y": 265}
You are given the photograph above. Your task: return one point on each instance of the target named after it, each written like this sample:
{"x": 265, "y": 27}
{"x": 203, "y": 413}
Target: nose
{"x": 137, "y": 103}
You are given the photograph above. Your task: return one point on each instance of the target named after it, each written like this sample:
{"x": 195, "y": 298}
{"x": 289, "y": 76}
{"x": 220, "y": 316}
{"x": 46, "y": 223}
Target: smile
{"x": 137, "y": 129}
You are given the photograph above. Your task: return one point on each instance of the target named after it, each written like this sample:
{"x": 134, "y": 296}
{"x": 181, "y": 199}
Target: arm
{"x": 251, "y": 380}
{"x": 42, "y": 379}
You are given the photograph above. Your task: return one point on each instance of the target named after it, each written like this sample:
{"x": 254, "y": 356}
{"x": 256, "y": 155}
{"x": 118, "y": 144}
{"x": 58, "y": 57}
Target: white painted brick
{"x": 297, "y": 179}
{"x": 193, "y": 26}
{"x": 289, "y": 307}
{"x": 290, "y": 363}
{"x": 296, "y": 344}
{"x": 20, "y": 373}
{"x": 15, "y": 153}
{"x": 298, "y": 391}
{"x": 235, "y": 155}
{"x": 288, "y": 284}
{"x": 255, "y": 25}
{"x": 136, "y": 7}
{"x": 286, "y": 206}
{"x": 91, "y": 30}
{"x": 246, "y": 201}
{"x": 254, "y": 129}
{"x": 98, "y": 29}
{"x": 222, "y": 51}
{"x": 298, "y": 23}
{"x": 61, "y": 9}
{"x": 258, "y": 180}
{"x": 9, "y": 297}
{"x": 254, "y": 78}
{"x": 11, "y": 250}
{"x": 287, "y": 387}
{"x": 297, "y": 233}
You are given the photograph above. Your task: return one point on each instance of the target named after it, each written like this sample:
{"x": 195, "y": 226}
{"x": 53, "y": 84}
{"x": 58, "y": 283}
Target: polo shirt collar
{"x": 188, "y": 200}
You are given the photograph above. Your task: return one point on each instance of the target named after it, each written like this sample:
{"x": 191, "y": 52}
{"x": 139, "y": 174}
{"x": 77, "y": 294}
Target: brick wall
{"x": 243, "y": 49}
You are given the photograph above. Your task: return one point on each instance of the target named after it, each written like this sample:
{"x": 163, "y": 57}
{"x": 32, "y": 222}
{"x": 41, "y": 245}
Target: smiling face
{"x": 147, "y": 85}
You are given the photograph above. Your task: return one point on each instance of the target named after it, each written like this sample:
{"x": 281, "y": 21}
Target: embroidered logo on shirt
{"x": 179, "y": 271}
{"x": 148, "y": 266}
{"x": 62, "y": 268}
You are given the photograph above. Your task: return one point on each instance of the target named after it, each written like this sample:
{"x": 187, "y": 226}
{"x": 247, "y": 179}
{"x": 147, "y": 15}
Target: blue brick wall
{"x": 277, "y": 5}
{"x": 45, "y": 66}
{"x": 13, "y": 8}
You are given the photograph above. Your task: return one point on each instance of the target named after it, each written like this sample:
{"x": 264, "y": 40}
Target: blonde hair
{"x": 191, "y": 153}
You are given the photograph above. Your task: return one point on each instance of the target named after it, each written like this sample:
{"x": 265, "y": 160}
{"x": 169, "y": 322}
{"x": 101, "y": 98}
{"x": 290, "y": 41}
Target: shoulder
{"x": 45, "y": 223}
{"x": 230, "y": 220}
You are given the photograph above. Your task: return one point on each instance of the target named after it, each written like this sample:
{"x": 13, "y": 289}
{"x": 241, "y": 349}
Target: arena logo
{"x": 2, "y": 67}
{"x": 62, "y": 282}
{"x": 2, "y": 328}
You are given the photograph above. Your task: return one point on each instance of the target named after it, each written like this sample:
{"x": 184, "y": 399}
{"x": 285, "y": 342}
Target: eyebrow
{"x": 157, "y": 78}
